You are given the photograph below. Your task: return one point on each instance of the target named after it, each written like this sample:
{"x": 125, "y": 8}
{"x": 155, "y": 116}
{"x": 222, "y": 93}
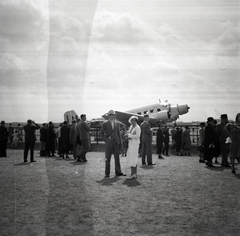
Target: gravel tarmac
{"x": 177, "y": 196}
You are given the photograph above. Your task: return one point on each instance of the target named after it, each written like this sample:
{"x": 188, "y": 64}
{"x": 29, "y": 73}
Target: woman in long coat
{"x": 186, "y": 141}
{"x": 235, "y": 141}
{"x": 51, "y": 138}
{"x": 178, "y": 139}
{"x": 133, "y": 145}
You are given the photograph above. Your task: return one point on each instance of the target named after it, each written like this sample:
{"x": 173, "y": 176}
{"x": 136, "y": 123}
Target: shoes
{"x": 151, "y": 164}
{"x": 210, "y": 165}
{"x": 25, "y": 161}
{"x": 132, "y": 177}
{"x": 121, "y": 174}
{"x": 143, "y": 163}
{"x": 227, "y": 165}
{"x": 33, "y": 161}
{"x": 106, "y": 176}
{"x": 233, "y": 171}
{"x": 85, "y": 160}
{"x": 160, "y": 157}
{"x": 216, "y": 162}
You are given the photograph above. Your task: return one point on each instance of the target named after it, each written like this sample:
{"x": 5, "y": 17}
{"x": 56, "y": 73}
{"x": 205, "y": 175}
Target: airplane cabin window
{"x": 158, "y": 109}
{"x": 145, "y": 112}
{"x": 151, "y": 111}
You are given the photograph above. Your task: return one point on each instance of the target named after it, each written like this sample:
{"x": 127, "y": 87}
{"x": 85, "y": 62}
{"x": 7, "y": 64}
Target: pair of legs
{"x": 233, "y": 163}
{"x": 84, "y": 149}
{"x": 26, "y": 148}
{"x": 146, "y": 150}
{"x": 112, "y": 148}
{"x": 224, "y": 151}
{"x": 166, "y": 148}
{"x": 133, "y": 172}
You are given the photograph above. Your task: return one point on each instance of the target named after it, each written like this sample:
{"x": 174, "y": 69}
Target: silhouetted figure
{"x": 30, "y": 139}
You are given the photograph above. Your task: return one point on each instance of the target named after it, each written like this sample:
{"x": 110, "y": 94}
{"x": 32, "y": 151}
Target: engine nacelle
{"x": 161, "y": 115}
{"x": 183, "y": 109}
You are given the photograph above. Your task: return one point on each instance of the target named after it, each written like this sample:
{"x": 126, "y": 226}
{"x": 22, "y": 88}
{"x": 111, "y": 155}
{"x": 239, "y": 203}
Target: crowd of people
{"x": 216, "y": 139}
{"x": 181, "y": 140}
{"x": 222, "y": 139}
{"x": 66, "y": 138}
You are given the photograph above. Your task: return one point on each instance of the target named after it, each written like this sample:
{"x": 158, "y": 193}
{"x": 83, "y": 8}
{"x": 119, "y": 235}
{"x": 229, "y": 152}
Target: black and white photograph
{"x": 119, "y": 117}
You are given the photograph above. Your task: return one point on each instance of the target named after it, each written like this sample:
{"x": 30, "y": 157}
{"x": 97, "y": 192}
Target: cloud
{"x": 22, "y": 20}
{"x": 229, "y": 40}
{"x": 122, "y": 28}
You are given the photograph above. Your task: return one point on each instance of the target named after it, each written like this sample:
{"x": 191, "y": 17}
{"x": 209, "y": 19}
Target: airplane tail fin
{"x": 69, "y": 116}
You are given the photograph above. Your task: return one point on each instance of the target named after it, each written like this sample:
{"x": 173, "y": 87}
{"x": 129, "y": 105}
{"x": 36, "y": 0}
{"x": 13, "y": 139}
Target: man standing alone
{"x": 83, "y": 132}
{"x": 146, "y": 141}
{"x": 30, "y": 139}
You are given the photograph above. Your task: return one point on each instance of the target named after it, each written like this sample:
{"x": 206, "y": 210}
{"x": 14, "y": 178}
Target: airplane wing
{"x": 123, "y": 117}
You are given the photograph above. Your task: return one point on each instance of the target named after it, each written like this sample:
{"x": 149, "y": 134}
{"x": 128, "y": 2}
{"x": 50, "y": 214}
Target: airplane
{"x": 71, "y": 115}
{"x": 160, "y": 112}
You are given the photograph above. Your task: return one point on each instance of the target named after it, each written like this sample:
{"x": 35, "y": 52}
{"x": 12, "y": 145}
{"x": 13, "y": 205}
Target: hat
{"x": 224, "y": 116}
{"x": 111, "y": 112}
{"x": 209, "y": 119}
{"x": 2, "y": 122}
{"x": 132, "y": 117}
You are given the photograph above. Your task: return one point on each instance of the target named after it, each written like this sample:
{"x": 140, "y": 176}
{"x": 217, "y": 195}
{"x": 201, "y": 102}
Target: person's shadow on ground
{"x": 131, "y": 183}
{"x": 22, "y": 163}
{"x": 108, "y": 181}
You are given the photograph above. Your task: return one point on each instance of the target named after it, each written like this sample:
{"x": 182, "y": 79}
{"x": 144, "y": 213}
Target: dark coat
{"x": 51, "y": 137}
{"x": 3, "y": 134}
{"x": 210, "y": 138}
{"x": 30, "y": 132}
{"x": 146, "y": 132}
{"x": 159, "y": 137}
{"x": 107, "y": 132}
{"x": 43, "y": 134}
{"x": 64, "y": 138}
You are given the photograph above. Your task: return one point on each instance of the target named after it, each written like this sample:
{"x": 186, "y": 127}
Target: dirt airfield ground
{"x": 177, "y": 196}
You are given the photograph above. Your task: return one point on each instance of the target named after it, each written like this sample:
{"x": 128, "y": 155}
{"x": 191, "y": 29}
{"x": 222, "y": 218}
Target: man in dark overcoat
{"x": 210, "y": 140}
{"x": 43, "y": 139}
{"x": 3, "y": 139}
{"x": 64, "y": 143}
{"x": 30, "y": 139}
{"x": 51, "y": 139}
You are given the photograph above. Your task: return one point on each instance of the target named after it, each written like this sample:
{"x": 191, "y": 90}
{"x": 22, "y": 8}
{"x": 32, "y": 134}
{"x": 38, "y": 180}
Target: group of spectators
{"x": 181, "y": 140}
{"x": 220, "y": 139}
{"x": 65, "y": 139}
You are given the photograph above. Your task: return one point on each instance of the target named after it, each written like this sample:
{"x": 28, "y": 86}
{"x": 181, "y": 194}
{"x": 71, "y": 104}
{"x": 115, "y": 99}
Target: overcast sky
{"x": 92, "y": 56}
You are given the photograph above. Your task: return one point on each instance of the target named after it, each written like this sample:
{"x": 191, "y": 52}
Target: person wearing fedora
{"x": 210, "y": 141}
{"x": 110, "y": 132}
{"x": 3, "y": 139}
{"x": 146, "y": 141}
{"x": 223, "y": 134}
